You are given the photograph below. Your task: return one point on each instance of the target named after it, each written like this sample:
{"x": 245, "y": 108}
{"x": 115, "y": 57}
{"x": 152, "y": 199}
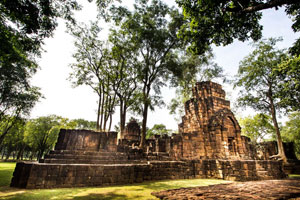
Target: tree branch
{"x": 262, "y": 6}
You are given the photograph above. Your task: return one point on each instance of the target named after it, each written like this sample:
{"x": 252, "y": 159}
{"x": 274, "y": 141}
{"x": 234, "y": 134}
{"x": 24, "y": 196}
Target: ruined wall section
{"x": 86, "y": 140}
{"x": 209, "y": 128}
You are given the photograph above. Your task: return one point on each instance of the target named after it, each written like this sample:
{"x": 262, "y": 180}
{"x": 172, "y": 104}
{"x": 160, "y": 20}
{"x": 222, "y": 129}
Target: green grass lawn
{"x": 294, "y": 176}
{"x": 134, "y": 191}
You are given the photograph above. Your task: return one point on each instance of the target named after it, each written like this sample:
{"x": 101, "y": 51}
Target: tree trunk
{"x": 107, "y": 110}
{"x": 122, "y": 117}
{"x": 3, "y": 154}
{"x": 98, "y": 114}
{"x": 20, "y": 153}
{"x": 4, "y": 133}
{"x": 8, "y": 155}
{"x": 102, "y": 108}
{"x": 110, "y": 121}
{"x": 40, "y": 154}
{"x": 281, "y": 152}
{"x": 146, "y": 92}
{"x": 144, "y": 125}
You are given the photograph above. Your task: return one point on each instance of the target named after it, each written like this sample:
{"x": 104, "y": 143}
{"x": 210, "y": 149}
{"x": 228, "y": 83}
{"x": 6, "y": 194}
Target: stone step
{"x": 87, "y": 157}
{"x": 77, "y": 152}
{"x": 86, "y": 161}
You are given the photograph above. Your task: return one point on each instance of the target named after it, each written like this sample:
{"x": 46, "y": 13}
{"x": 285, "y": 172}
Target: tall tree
{"x": 107, "y": 67}
{"x": 220, "y": 22}
{"x": 152, "y": 28}
{"x": 124, "y": 71}
{"x": 259, "y": 84}
{"x": 92, "y": 68}
{"x": 23, "y": 26}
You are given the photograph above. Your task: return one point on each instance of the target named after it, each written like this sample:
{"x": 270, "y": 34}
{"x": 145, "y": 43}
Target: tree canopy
{"x": 152, "y": 28}
{"x": 23, "y": 27}
{"x": 220, "y": 22}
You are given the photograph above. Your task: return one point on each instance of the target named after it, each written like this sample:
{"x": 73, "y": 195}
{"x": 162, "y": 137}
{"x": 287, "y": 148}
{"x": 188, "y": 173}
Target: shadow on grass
{"x": 175, "y": 184}
{"x": 107, "y": 196}
{"x": 157, "y": 186}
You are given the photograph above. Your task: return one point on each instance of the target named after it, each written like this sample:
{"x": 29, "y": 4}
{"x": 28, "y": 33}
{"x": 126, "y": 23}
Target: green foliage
{"x": 23, "y": 26}
{"x": 291, "y": 131}
{"x": 258, "y": 128}
{"x": 158, "y": 129}
{"x": 108, "y": 68}
{"x": 83, "y": 124}
{"x": 92, "y": 68}
{"x": 220, "y": 22}
{"x": 152, "y": 29}
{"x": 259, "y": 84}
{"x": 289, "y": 85}
{"x": 14, "y": 139}
{"x": 256, "y": 77}
{"x": 194, "y": 68}
{"x": 124, "y": 71}
{"x": 41, "y": 133}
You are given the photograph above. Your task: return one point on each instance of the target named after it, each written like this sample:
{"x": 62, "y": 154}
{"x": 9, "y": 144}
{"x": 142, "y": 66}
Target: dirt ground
{"x": 267, "y": 189}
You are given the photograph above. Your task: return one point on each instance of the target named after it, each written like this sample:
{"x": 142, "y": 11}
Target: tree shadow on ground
{"x": 106, "y": 196}
{"x": 164, "y": 185}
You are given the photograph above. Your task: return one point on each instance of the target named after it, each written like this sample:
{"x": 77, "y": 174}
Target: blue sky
{"x": 61, "y": 99}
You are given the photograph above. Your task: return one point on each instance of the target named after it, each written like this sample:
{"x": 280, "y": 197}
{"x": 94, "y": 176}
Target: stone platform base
{"x": 50, "y": 175}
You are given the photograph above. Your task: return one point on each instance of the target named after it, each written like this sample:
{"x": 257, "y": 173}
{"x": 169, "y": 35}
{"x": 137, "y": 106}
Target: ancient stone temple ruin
{"x": 209, "y": 128}
{"x": 209, "y": 145}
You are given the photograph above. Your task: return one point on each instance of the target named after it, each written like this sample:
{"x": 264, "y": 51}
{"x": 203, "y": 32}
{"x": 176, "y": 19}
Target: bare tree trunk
{"x": 146, "y": 91}
{"x": 121, "y": 118}
{"x": 281, "y": 152}
{"x": 110, "y": 121}
{"x": 98, "y": 114}
{"x": 20, "y": 153}
{"x": 144, "y": 125}
{"x": 102, "y": 108}
{"x": 123, "y": 111}
{"x": 107, "y": 109}
{"x": 8, "y": 155}
{"x": 3, "y": 154}
{"x": 4, "y": 133}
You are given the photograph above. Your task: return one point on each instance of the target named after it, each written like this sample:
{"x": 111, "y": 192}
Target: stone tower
{"x": 209, "y": 128}
{"x": 132, "y": 131}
